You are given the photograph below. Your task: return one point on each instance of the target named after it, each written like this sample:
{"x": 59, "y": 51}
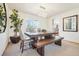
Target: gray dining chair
{"x": 25, "y": 41}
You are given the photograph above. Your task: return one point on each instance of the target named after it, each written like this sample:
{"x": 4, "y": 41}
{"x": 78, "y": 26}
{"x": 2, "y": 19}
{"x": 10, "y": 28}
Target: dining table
{"x": 36, "y": 37}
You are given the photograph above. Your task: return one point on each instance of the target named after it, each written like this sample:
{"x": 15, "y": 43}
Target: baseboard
{"x": 6, "y": 47}
{"x": 71, "y": 41}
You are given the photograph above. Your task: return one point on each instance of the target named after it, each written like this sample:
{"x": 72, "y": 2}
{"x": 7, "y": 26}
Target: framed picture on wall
{"x": 70, "y": 23}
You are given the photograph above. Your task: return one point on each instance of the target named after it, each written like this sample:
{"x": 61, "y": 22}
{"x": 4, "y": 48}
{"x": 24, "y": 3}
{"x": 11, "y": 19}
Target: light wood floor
{"x": 67, "y": 49}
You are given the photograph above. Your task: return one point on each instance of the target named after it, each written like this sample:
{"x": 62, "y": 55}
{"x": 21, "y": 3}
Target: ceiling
{"x": 43, "y": 9}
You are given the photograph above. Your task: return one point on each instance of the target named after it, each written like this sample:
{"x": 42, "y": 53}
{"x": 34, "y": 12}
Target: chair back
{"x": 27, "y": 35}
{"x": 21, "y": 34}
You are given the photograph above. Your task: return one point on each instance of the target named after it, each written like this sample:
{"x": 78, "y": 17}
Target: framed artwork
{"x": 70, "y": 23}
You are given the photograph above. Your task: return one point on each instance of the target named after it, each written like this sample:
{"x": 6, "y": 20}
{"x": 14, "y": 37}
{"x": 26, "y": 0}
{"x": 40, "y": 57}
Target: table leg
{"x": 58, "y": 42}
{"x": 41, "y": 51}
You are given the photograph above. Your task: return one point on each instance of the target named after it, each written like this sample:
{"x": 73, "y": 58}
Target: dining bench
{"x": 43, "y": 42}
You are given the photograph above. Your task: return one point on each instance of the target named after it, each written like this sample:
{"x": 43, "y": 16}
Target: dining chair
{"x": 25, "y": 41}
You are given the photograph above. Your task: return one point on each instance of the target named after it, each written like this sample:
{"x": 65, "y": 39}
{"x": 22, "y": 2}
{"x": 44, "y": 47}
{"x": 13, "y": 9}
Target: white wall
{"x": 43, "y": 21}
{"x": 71, "y": 36}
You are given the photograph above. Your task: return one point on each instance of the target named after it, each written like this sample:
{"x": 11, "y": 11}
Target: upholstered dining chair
{"x": 25, "y": 41}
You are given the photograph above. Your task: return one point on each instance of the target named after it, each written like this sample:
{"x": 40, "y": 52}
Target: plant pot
{"x": 15, "y": 39}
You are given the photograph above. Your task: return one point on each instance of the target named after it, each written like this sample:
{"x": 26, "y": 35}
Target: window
{"x": 32, "y": 25}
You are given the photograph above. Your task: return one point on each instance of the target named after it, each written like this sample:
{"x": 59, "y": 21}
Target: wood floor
{"x": 67, "y": 49}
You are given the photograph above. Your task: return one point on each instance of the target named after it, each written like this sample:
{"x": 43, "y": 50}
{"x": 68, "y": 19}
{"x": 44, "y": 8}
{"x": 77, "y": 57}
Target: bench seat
{"x": 44, "y": 42}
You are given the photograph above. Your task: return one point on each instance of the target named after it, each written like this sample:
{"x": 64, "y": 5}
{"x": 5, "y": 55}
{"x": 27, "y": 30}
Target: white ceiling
{"x": 47, "y": 9}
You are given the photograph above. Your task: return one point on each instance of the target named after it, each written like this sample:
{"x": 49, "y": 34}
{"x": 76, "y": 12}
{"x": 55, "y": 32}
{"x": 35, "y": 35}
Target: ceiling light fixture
{"x": 42, "y": 7}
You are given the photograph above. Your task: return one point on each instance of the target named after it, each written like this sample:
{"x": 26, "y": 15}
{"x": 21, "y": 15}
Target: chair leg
{"x": 30, "y": 44}
{"x": 22, "y": 50}
{"x": 22, "y": 46}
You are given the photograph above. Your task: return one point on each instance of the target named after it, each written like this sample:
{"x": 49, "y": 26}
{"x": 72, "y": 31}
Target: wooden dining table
{"x": 35, "y": 37}
{"x": 40, "y": 34}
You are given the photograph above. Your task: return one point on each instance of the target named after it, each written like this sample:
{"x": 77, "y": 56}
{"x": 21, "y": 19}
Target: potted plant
{"x": 16, "y": 23}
